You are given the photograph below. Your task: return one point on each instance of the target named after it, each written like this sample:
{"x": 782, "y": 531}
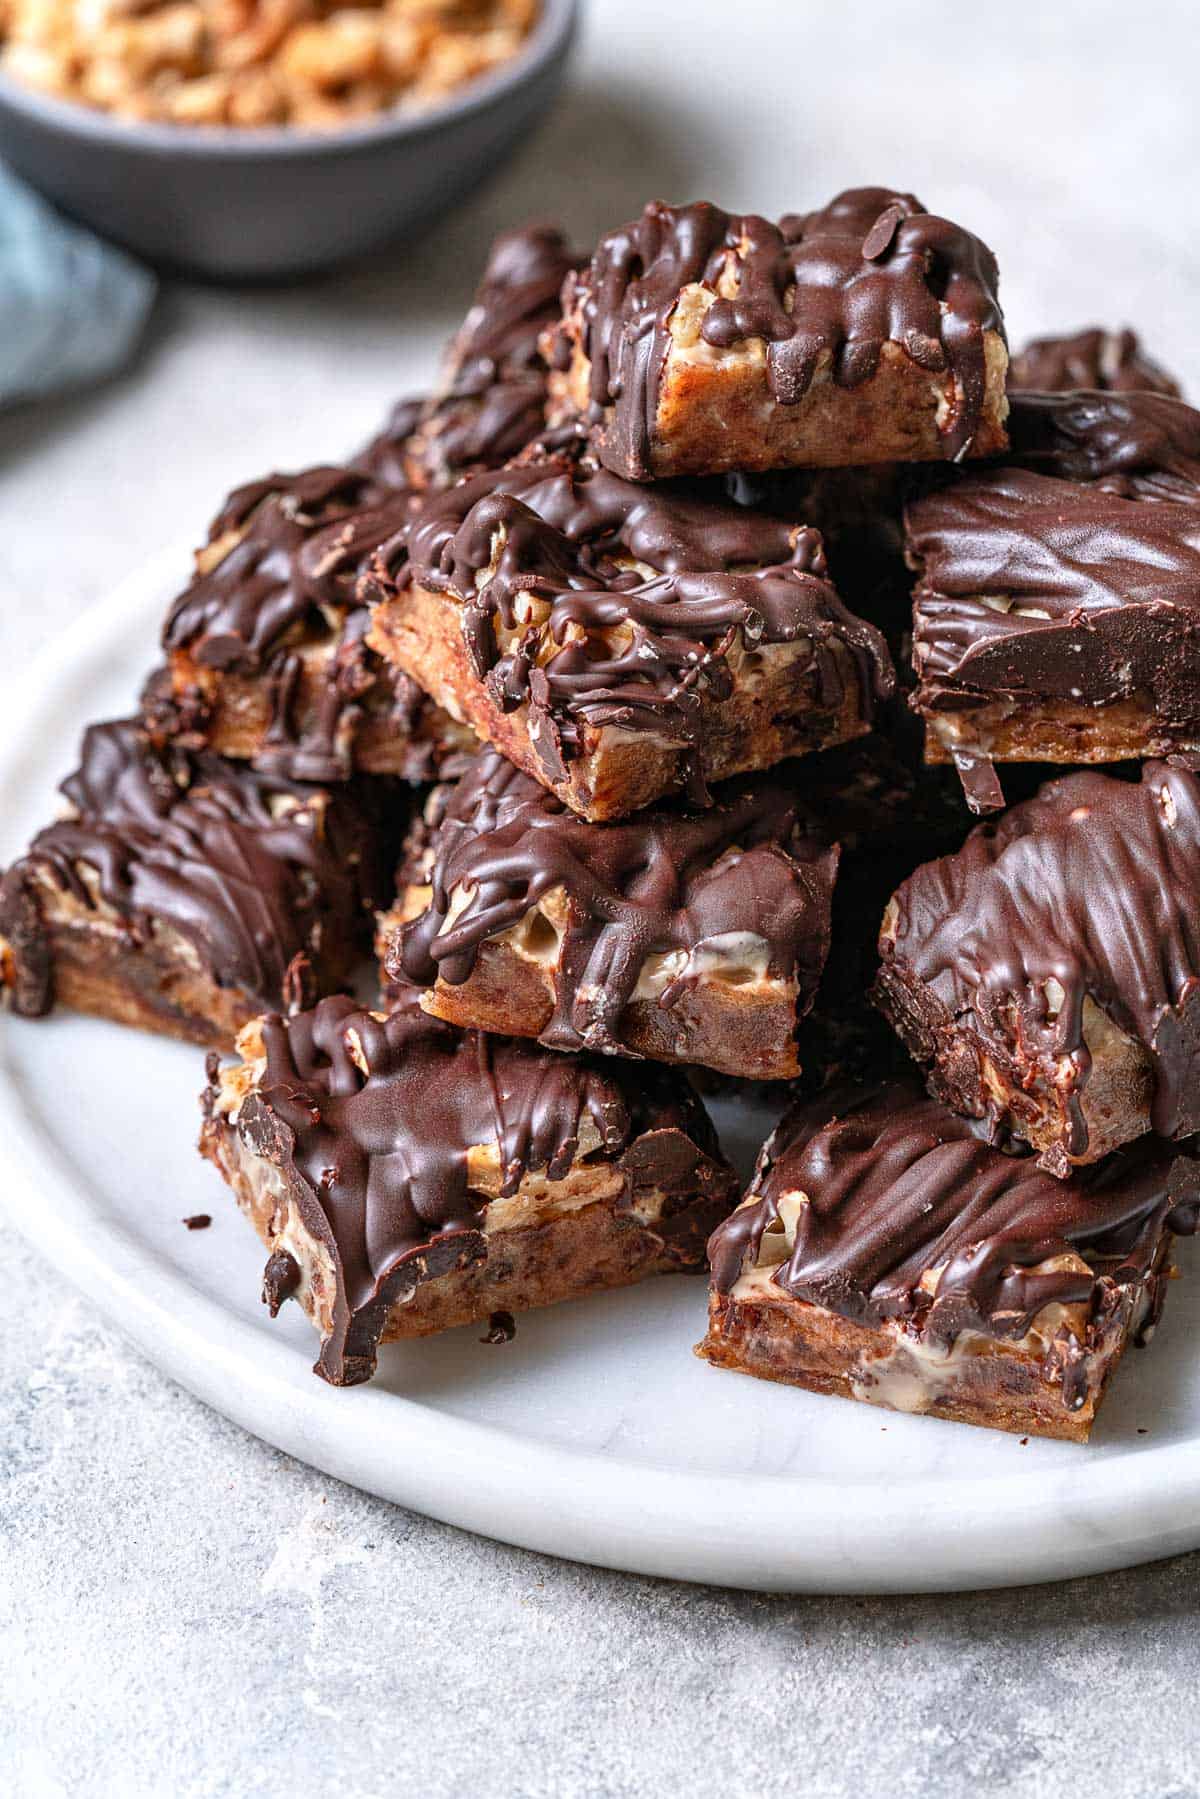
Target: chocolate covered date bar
{"x": 266, "y": 649}
{"x": 885, "y": 1253}
{"x": 868, "y": 331}
{"x": 1056, "y": 616}
{"x": 617, "y": 642}
{"x": 683, "y": 935}
{"x": 491, "y": 400}
{"x": 407, "y": 1177}
{"x": 184, "y": 894}
{"x": 1047, "y": 975}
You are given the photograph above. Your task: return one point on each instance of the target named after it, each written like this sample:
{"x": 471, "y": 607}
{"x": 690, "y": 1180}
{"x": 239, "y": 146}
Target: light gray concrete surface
{"x": 183, "y": 1611}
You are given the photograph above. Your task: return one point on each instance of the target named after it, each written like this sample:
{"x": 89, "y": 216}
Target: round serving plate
{"x": 595, "y": 1434}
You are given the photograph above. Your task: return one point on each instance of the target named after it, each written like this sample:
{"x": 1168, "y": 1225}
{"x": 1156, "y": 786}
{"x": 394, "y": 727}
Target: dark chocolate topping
{"x": 1112, "y": 360}
{"x": 248, "y": 868}
{"x": 1093, "y": 884}
{"x": 570, "y": 537}
{"x": 1140, "y": 446}
{"x": 870, "y": 268}
{"x": 898, "y": 1187}
{"x": 1104, "y": 591}
{"x": 667, "y": 880}
{"x": 377, "y": 1118}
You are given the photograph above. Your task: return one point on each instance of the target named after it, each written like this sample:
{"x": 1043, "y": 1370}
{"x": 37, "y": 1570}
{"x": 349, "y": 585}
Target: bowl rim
{"x": 550, "y": 38}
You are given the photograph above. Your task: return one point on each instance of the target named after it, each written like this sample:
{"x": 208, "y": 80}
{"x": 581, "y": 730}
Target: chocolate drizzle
{"x": 248, "y": 868}
{"x": 837, "y": 284}
{"x": 667, "y": 881}
{"x": 376, "y": 1117}
{"x": 899, "y": 1190}
{"x": 296, "y": 546}
{"x": 1110, "y": 360}
{"x": 682, "y": 569}
{"x": 1093, "y": 885}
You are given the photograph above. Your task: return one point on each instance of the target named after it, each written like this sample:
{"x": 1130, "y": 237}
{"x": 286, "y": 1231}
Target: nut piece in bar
{"x": 1110, "y": 360}
{"x": 682, "y": 935}
{"x": 266, "y": 647}
{"x": 620, "y": 642}
{"x": 1057, "y": 613}
{"x": 492, "y": 398}
{"x": 885, "y": 1253}
{"x": 869, "y": 331}
{"x": 407, "y": 1177}
{"x": 1048, "y": 974}
{"x": 184, "y": 894}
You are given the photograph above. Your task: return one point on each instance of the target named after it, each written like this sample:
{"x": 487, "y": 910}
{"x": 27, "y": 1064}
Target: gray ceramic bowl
{"x": 253, "y": 205}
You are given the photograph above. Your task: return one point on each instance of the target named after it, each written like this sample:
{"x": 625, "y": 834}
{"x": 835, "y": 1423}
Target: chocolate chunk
{"x": 281, "y": 1278}
{"x": 502, "y": 1328}
{"x": 199, "y": 1221}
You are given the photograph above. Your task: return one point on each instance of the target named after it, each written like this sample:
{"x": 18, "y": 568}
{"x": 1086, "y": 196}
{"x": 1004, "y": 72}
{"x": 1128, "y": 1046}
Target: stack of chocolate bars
{"x": 591, "y": 692}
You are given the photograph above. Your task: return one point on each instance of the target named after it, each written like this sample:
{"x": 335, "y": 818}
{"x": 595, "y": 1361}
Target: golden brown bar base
{"x": 1033, "y": 730}
{"x": 570, "y": 1255}
{"x": 1002, "y": 1387}
{"x": 747, "y": 1031}
{"x": 716, "y": 411}
{"x": 765, "y": 720}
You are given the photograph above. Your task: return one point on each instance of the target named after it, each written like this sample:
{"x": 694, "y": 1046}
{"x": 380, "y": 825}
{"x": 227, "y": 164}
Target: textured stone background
{"x": 184, "y": 1611}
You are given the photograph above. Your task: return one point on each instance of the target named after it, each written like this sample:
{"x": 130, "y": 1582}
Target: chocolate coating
{"x": 1095, "y": 597}
{"x": 666, "y": 880}
{"x": 493, "y": 396}
{"x": 1111, "y": 360}
{"x": 569, "y": 537}
{"x": 899, "y": 1190}
{"x": 870, "y": 268}
{"x": 297, "y": 546}
{"x": 376, "y": 1117}
{"x": 1093, "y": 884}
{"x": 251, "y": 869}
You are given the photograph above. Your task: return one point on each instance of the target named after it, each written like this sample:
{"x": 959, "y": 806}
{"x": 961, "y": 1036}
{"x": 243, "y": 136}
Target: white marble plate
{"x": 595, "y": 1434}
